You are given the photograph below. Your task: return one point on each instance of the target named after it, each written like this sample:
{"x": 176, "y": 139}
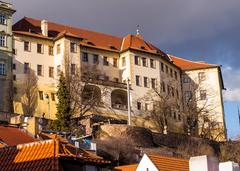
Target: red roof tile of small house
{"x": 169, "y": 163}
{"x": 10, "y": 136}
{"x": 131, "y": 167}
{"x": 190, "y": 65}
{"x": 40, "y": 155}
{"x": 43, "y": 155}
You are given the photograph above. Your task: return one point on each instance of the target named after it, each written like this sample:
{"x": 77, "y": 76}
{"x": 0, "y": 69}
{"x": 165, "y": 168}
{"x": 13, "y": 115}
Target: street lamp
{"x": 129, "y": 103}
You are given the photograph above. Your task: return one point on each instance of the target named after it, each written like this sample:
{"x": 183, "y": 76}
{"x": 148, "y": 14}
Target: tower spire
{"x": 138, "y": 32}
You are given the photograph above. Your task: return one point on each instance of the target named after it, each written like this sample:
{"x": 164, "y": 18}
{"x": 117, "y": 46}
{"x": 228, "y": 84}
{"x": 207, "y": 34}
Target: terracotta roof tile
{"x": 99, "y": 39}
{"x": 32, "y": 27}
{"x": 14, "y": 136}
{"x": 33, "y": 156}
{"x": 131, "y": 167}
{"x": 190, "y": 65}
{"x": 169, "y": 163}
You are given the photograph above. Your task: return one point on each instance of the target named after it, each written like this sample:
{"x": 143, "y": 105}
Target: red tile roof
{"x": 40, "y": 155}
{"x": 14, "y": 136}
{"x": 55, "y": 30}
{"x": 190, "y": 65}
{"x": 32, "y": 27}
{"x": 169, "y": 163}
{"x": 43, "y": 155}
{"x": 131, "y": 167}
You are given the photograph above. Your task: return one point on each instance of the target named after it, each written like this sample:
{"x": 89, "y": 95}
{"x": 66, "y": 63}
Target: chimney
{"x": 203, "y": 163}
{"x": 229, "y": 166}
{"x": 44, "y": 27}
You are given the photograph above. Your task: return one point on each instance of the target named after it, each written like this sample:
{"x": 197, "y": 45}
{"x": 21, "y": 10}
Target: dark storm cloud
{"x": 202, "y": 30}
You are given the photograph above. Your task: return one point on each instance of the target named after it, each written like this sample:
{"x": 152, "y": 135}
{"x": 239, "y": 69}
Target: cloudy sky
{"x": 198, "y": 30}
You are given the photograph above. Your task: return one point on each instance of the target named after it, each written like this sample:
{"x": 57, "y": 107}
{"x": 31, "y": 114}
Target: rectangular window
{"x": 162, "y": 66}
{"x": 152, "y": 63}
{"x": 138, "y": 80}
{"x": 73, "y": 47}
{"x": 58, "y": 69}
{"x": 146, "y": 82}
{"x": 168, "y": 89}
{"x": 14, "y": 77}
{"x": 146, "y": 107}
{"x": 40, "y": 48}
{"x": 95, "y": 59}
{"x": 175, "y": 74}
{"x": 166, "y": 67}
{"x": 139, "y": 105}
{"x": 39, "y": 70}
{"x": 50, "y": 50}
{"x": 3, "y": 40}
{"x": 171, "y": 72}
{"x": 154, "y": 82}
{"x": 186, "y": 78}
{"x": 115, "y": 62}
{"x": 172, "y": 91}
{"x": 58, "y": 48}
{"x": 85, "y": 57}
{"x": 53, "y": 96}
{"x": 201, "y": 76}
{"x": 51, "y": 72}
{"x": 13, "y": 66}
{"x": 73, "y": 69}
{"x": 2, "y": 69}
{"x": 40, "y": 93}
{"x": 105, "y": 61}
{"x": 144, "y": 62}
{"x": 123, "y": 61}
{"x": 26, "y": 67}
{"x": 187, "y": 95}
{"x": 163, "y": 87}
{"x": 3, "y": 19}
{"x": 27, "y": 46}
{"x": 137, "y": 60}
{"x": 203, "y": 94}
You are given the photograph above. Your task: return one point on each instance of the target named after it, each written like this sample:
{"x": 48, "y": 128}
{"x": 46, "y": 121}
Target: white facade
{"x": 145, "y": 70}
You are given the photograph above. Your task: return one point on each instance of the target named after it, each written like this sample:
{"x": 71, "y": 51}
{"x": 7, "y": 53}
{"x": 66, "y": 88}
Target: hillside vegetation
{"x": 125, "y": 144}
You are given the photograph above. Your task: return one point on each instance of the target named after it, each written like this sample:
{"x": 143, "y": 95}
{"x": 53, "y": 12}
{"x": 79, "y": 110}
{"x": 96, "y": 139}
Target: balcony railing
{"x": 104, "y": 82}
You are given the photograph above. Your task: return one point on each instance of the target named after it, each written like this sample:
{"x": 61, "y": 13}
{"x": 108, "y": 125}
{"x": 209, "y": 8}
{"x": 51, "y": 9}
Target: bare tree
{"x": 163, "y": 102}
{"x": 29, "y": 90}
{"x": 200, "y": 113}
{"x": 86, "y": 91}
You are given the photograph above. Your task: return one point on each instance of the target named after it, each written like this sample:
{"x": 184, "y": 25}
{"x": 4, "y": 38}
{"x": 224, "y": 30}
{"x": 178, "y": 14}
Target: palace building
{"x": 6, "y": 37}
{"x": 43, "y": 47}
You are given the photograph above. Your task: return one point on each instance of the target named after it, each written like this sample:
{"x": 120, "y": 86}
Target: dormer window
{"x": 112, "y": 47}
{"x": 90, "y": 43}
{"x": 141, "y": 47}
{"x": 3, "y": 19}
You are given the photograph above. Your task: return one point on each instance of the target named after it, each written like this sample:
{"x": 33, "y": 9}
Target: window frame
{"x": 27, "y": 46}
{"x": 40, "y": 47}
{"x": 39, "y": 72}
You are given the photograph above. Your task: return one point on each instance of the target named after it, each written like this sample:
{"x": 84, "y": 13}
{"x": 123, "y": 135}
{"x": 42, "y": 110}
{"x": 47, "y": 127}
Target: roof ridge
{"x": 74, "y": 27}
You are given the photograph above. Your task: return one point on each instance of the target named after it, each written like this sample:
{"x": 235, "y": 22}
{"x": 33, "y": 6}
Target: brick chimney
{"x": 44, "y": 27}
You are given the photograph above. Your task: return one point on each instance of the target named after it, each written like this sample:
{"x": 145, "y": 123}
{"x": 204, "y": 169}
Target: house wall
{"x": 6, "y": 56}
{"x": 146, "y": 164}
{"x": 213, "y": 102}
